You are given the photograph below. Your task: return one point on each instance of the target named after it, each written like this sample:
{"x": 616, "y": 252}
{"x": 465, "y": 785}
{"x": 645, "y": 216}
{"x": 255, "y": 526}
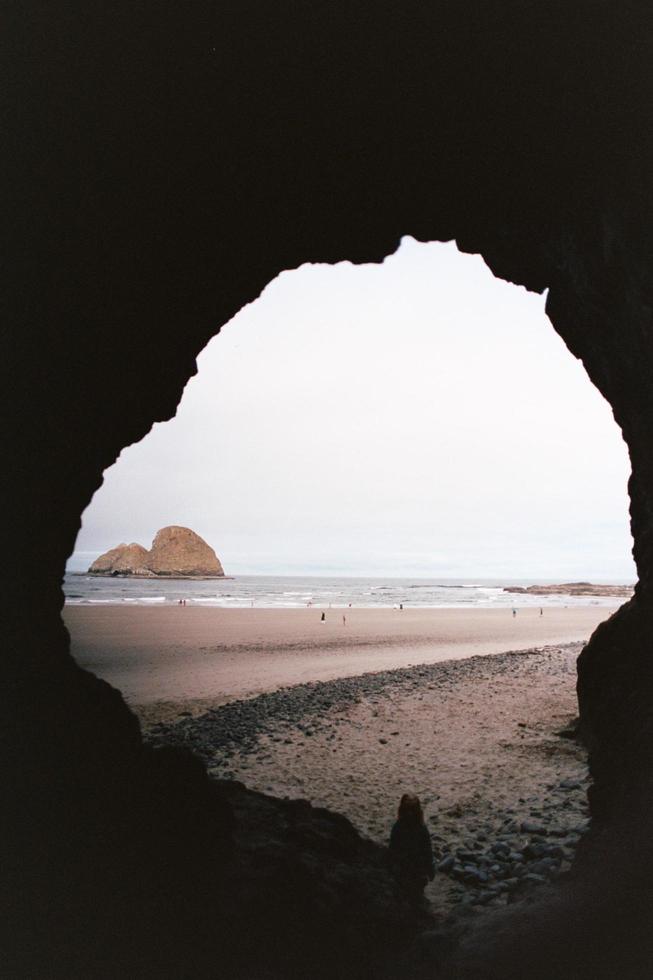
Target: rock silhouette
{"x": 176, "y": 552}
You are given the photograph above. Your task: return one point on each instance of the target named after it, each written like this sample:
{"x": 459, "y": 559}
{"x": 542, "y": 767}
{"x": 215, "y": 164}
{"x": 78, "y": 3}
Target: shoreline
{"x": 160, "y": 578}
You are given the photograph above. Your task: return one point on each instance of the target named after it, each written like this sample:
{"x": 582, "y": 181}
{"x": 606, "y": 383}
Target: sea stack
{"x": 179, "y": 551}
{"x": 124, "y": 559}
{"x": 176, "y": 552}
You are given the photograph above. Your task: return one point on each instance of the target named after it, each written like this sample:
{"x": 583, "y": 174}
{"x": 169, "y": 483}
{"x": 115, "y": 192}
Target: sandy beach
{"x": 463, "y": 707}
{"x": 208, "y": 656}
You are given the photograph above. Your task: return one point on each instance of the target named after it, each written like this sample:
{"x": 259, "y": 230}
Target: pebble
{"x": 533, "y": 828}
{"x": 489, "y": 859}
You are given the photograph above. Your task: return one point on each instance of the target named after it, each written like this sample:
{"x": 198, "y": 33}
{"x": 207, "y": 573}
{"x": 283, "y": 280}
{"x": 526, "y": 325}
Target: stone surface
{"x": 176, "y": 552}
{"x": 179, "y": 551}
{"x": 573, "y": 588}
{"x": 124, "y": 559}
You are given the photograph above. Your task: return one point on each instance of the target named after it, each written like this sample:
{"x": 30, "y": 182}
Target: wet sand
{"x": 210, "y": 656}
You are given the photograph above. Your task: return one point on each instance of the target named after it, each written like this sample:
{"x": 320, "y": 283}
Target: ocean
{"x": 295, "y": 592}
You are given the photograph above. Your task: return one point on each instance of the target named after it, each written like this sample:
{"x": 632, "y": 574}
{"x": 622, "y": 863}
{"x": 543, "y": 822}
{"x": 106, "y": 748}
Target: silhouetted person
{"x": 541, "y": 612}
{"x": 410, "y": 848}
{"x": 514, "y": 613}
{"x": 323, "y": 618}
{"x": 344, "y": 620}
{"x": 401, "y": 605}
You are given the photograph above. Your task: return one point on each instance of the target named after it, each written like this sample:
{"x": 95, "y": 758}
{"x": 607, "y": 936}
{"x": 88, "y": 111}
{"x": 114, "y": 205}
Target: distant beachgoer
{"x": 541, "y": 612}
{"x": 401, "y": 605}
{"x": 323, "y": 618}
{"x": 410, "y": 849}
{"x": 344, "y": 620}
{"x": 514, "y": 612}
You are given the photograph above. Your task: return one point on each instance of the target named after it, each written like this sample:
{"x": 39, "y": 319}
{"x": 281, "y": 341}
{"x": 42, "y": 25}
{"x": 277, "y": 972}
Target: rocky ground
{"x": 485, "y": 742}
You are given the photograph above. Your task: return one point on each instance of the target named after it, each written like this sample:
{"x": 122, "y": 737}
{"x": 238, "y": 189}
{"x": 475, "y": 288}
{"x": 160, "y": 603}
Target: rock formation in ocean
{"x": 176, "y": 552}
{"x": 179, "y": 551}
{"x": 573, "y": 588}
{"x": 124, "y": 559}
{"x": 165, "y": 163}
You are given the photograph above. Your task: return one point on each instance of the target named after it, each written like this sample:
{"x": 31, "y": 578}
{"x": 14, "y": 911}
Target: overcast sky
{"x": 418, "y": 417}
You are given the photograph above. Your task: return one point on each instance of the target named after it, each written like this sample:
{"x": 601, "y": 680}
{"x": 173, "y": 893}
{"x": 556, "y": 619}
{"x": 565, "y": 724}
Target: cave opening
{"x": 165, "y": 164}
{"x": 416, "y": 423}
{"x": 424, "y": 383}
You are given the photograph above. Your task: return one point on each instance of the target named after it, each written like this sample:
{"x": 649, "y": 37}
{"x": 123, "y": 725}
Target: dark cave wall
{"x": 168, "y": 163}
{"x": 165, "y": 162}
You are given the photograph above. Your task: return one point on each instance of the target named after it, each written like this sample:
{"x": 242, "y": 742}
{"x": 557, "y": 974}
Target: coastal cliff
{"x": 176, "y": 552}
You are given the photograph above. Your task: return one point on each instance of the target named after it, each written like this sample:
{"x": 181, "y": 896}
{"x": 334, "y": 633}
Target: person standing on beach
{"x": 344, "y": 620}
{"x": 514, "y": 613}
{"x": 541, "y": 612}
{"x": 410, "y": 849}
{"x": 323, "y": 618}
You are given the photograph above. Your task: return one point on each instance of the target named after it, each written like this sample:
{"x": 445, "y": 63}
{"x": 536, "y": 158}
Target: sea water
{"x": 286, "y": 592}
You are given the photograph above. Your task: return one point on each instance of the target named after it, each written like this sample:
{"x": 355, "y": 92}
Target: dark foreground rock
{"x": 265, "y": 888}
{"x": 324, "y": 896}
